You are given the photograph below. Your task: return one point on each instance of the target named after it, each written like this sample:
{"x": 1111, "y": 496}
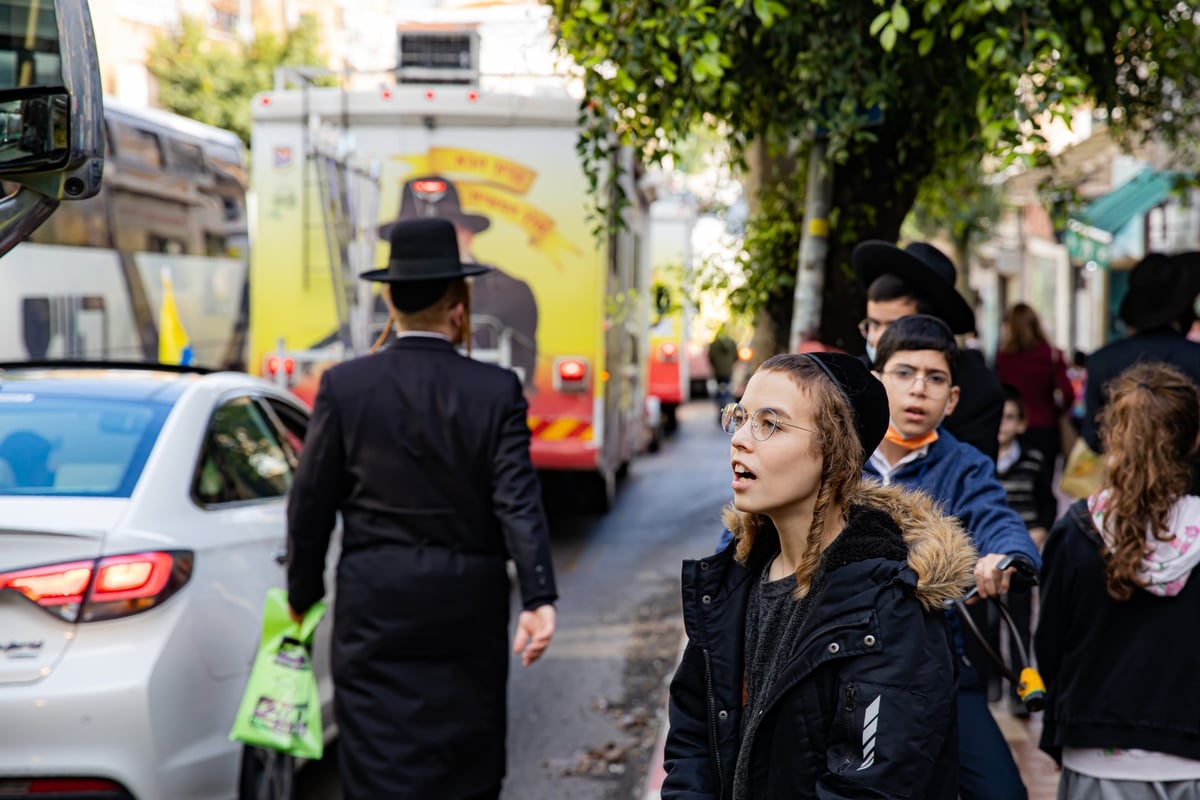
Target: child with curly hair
{"x": 1118, "y": 606}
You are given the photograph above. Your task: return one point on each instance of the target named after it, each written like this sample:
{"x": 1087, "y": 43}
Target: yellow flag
{"x": 174, "y": 347}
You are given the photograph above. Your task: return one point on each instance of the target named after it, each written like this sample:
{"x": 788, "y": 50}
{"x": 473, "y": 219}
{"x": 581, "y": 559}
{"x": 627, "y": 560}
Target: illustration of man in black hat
{"x": 503, "y": 306}
{"x": 1159, "y": 308}
{"x": 425, "y": 454}
{"x": 919, "y": 279}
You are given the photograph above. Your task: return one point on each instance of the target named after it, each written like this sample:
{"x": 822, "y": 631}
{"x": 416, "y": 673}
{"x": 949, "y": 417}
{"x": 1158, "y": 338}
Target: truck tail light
{"x": 668, "y": 352}
{"x": 570, "y": 374}
{"x": 275, "y": 364}
{"x": 104, "y": 588}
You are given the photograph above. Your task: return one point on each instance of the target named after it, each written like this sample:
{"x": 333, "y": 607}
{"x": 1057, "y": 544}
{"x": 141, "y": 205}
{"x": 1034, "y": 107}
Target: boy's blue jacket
{"x": 963, "y": 481}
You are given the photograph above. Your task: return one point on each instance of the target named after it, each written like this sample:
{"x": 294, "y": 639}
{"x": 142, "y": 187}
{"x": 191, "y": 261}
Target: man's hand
{"x": 989, "y": 580}
{"x": 534, "y": 631}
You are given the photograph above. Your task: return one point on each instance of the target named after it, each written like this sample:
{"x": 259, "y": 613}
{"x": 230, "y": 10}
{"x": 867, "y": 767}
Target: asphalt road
{"x": 583, "y": 720}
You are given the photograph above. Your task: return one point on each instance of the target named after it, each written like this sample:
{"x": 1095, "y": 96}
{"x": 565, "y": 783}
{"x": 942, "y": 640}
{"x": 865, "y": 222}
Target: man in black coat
{"x": 1158, "y": 306}
{"x": 919, "y": 279}
{"x": 425, "y": 453}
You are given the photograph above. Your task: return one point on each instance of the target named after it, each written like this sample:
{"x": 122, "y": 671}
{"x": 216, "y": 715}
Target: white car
{"x": 142, "y": 520}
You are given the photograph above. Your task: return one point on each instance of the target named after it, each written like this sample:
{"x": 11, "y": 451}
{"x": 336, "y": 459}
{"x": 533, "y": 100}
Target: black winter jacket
{"x": 865, "y": 706}
{"x": 1118, "y": 674}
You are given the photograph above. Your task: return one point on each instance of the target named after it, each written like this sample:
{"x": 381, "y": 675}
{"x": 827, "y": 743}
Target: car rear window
{"x": 74, "y": 446}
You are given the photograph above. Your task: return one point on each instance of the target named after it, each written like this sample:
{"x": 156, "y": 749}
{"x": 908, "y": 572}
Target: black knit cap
{"x": 864, "y": 393}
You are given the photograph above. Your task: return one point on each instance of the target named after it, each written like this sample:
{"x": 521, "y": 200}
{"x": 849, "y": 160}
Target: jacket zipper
{"x": 712, "y": 718}
{"x": 851, "y": 697}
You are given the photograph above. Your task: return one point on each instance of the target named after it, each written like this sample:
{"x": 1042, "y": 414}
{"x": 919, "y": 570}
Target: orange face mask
{"x": 895, "y": 437}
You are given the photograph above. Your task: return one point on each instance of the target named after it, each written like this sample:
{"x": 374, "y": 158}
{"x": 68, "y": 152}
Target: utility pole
{"x": 814, "y": 244}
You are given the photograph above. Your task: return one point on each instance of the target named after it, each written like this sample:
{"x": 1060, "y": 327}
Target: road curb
{"x": 655, "y": 773}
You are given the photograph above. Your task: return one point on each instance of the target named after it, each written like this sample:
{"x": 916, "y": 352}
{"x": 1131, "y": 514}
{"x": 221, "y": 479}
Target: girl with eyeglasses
{"x": 818, "y": 661}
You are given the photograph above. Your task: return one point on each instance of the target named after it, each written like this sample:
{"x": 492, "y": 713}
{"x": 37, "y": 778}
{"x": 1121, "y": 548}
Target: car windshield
{"x": 74, "y": 446}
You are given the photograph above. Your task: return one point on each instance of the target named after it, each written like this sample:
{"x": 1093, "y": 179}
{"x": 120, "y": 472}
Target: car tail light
{"x": 668, "y": 351}
{"x": 570, "y": 374}
{"x": 62, "y": 787}
{"x": 104, "y": 588}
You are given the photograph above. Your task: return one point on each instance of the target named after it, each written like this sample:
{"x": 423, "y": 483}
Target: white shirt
{"x": 885, "y": 470}
{"x": 424, "y": 334}
{"x": 1129, "y": 765}
{"x": 1009, "y": 457}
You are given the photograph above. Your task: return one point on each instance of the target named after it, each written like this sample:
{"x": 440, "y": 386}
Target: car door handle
{"x": 280, "y": 555}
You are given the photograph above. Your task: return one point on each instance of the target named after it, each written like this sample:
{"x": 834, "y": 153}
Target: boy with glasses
{"x": 917, "y": 361}
{"x": 919, "y": 279}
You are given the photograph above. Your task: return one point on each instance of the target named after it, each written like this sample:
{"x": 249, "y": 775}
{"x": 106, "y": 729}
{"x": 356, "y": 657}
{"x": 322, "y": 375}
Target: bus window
{"x": 164, "y": 244}
{"x": 137, "y": 146}
{"x": 185, "y": 157}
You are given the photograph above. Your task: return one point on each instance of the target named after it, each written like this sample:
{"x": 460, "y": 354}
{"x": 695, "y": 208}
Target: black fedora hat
{"x": 1161, "y": 289}
{"x": 922, "y": 266}
{"x": 423, "y": 250}
{"x": 433, "y": 196}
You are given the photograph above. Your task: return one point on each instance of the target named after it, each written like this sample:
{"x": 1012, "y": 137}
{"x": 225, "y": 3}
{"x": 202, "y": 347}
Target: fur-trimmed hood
{"x": 939, "y": 551}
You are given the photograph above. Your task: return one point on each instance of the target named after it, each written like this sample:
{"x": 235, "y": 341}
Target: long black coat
{"x": 865, "y": 704}
{"x": 1164, "y": 345}
{"x": 976, "y": 420}
{"x": 426, "y": 455}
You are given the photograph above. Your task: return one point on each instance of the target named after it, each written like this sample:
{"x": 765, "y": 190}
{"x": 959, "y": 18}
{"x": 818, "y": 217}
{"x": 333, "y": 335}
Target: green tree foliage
{"x": 213, "y": 82}
{"x": 954, "y": 81}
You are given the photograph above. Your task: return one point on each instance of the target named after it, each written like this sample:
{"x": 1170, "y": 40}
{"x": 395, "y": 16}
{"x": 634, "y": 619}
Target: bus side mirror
{"x": 51, "y": 112}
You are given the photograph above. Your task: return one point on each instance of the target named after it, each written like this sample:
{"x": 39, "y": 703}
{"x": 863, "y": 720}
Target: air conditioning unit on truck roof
{"x": 562, "y": 308}
{"x": 435, "y": 55}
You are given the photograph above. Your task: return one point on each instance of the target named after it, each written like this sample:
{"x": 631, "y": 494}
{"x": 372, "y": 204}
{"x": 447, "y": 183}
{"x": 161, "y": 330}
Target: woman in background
{"x": 1027, "y": 361}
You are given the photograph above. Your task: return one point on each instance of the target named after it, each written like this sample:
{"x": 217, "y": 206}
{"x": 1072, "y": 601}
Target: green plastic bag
{"x": 281, "y": 709}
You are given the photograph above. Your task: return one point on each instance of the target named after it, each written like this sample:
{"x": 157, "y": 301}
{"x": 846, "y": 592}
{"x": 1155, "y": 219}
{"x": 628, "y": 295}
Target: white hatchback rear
{"x": 142, "y": 520}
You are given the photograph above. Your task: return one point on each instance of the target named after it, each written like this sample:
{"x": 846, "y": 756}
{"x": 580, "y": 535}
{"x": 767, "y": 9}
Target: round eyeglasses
{"x": 937, "y": 384}
{"x": 763, "y": 422}
{"x": 868, "y": 325}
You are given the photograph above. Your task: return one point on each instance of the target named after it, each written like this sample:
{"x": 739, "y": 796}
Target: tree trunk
{"x": 771, "y": 324}
{"x": 870, "y": 201}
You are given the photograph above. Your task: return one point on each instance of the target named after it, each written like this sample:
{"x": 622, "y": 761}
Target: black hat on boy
{"x": 863, "y": 391}
{"x": 922, "y": 266}
{"x": 433, "y": 196}
{"x": 422, "y": 262}
{"x": 1161, "y": 289}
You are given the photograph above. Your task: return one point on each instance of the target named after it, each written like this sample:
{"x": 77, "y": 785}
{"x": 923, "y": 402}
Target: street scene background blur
{"x": 652, "y": 190}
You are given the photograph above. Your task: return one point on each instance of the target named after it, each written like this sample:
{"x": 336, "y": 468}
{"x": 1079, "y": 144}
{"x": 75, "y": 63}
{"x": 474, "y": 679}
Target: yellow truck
{"x": 333, "y": 169}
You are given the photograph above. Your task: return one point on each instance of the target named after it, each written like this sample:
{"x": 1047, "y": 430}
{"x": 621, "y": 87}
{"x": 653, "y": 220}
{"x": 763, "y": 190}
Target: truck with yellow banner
{"x": 333, "y": 168}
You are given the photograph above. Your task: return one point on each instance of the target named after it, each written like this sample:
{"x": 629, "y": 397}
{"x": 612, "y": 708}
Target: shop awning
{"x": 1133, "y": 198}
{"x": 1090, "y": 233}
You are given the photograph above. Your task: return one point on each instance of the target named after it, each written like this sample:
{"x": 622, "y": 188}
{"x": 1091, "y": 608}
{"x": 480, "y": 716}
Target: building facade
{"x": 355, "y": 34}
